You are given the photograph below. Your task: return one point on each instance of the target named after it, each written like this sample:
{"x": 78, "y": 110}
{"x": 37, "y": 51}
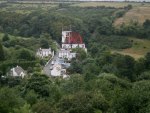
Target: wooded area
{"x": 100, "y": 82}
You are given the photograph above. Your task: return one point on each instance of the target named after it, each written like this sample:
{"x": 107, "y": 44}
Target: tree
{"x": 40, "y": 84}
{"x": 123, "y": 103}
{"x": 5, "y": 37}
{"x": 135, "y": 100}
{"x": 83, "y": 102}
{"x": 92, "y": 68}
{"x": 9, "y": 99}
{"x": 125, "y": 65}
{"x": 44, "y": 43}
{"x": 107, "y": 83}
{"x": 24, "y": 109}
{"x": 105, "y": 27}
{"x": 144, "y": 76}
{"x": 99, "y": 102}
{"x": 42, "y": 107}
{"x": 2, "y": 56}
{"x": 31, "y": 97}
{"x": 109, "y": 68}
{"x": 81, "y": 54}
{"x": 140, "y": 66}
{"x": 75, "y": 67}
{"x": 24, "y": 30}
{"x": 147, "y": 60}
{"x": 146, "y": 24}
{"x": 128, "y": 7}
{"x": 89, "y": 76}
{"x": 75, "y": 84}
{"x": 77, "y": 103}
{"x": 25, "y": 54}
{"x": 94, "y": 50}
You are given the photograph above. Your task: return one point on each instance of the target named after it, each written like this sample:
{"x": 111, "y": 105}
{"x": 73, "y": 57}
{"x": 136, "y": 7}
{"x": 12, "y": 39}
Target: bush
{"x": 5, "y": 37}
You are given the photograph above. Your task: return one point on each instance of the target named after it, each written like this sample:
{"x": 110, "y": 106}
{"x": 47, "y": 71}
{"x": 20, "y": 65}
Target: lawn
{"x": 139, "y": 49}
{"x": 106, "y": 4}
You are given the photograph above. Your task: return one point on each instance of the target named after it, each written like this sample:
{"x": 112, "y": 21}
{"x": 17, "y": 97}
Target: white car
{"x": 52, "y": 63}
{"x": 51, "y": 67}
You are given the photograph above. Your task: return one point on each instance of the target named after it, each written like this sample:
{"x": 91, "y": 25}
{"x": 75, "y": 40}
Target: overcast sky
{"x": 117, "y": 0}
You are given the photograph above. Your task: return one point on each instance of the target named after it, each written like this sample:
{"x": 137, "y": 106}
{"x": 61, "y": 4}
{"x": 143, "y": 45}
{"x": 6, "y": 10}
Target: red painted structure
{"x": 73, "y": 38}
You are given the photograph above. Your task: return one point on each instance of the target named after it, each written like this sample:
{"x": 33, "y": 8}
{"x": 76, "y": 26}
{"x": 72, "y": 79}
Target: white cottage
{"x": 17, "y": 72}
{"x": 44, "y": 52}
{"x": 56, "y": 71}
{"x": 63, "y": 53}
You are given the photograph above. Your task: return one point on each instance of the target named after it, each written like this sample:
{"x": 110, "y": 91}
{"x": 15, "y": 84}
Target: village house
{"x": 17, "y": 72}
{"x": 44, "y": 52}
{"x": 71, "y": 40}
{"x": 61, "y": 62}
{"x": 58, "y": 70}
{"x": 63, "y": 53}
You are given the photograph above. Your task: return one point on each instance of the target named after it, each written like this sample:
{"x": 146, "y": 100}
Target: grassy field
{"x": 140, "y": 11}
{"x": 137, "y": 14}
{"x": 26, "y": 8}
{"x": 139, "y": 49}
{"x": 106, "y": 4}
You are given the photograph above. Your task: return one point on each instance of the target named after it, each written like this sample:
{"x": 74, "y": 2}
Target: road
{"x": 46, "y": 69}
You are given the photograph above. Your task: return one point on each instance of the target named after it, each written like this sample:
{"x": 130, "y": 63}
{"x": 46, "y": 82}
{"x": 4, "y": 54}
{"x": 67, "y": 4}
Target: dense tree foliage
{"x": 99, "y": 82}
{"x": 2, "y": 56}
{"x": 135, "y": 29}
{"x": 5, "y": 37}
{"x": 106, "y": 83}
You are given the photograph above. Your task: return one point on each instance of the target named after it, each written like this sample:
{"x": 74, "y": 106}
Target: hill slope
{"x": 139, "y": 49}
{"x": 106, "y": 4}
{"x": 137, "y": 14}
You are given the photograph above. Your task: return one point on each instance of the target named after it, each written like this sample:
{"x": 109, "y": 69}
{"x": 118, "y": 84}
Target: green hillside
{"x": 112, "y": 76}
{"x": 137, "y": 14}
{"x": 138, "y": 50}
{"x": 106, "y": 4}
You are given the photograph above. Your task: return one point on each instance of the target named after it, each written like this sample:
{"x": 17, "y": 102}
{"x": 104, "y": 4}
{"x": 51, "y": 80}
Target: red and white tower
{"x": 72, "y": 40}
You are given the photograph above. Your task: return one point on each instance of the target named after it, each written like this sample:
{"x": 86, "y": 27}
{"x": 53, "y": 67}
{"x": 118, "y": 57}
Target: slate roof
{"x": 17, "y": 69}
{"x": 44, "y": 50}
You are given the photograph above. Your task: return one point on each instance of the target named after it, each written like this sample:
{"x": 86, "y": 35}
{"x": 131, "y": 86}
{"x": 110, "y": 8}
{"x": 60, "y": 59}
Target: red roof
{"x": 74, "y": 38}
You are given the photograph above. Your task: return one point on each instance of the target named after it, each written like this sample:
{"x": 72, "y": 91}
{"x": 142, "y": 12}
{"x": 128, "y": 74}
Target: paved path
{"x": 46, "y": 69}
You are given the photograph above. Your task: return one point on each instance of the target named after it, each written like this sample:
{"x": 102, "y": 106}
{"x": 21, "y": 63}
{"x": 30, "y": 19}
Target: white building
{"x": 66, "y": 46}
{"x": 17, "y": 72}
{"x": 58, "y": 71}
{"x": 44, "y": 52}
{"x": 63, "y": 53}
{"x": 65, "y": 34}
{"x": 71, "y": 40}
